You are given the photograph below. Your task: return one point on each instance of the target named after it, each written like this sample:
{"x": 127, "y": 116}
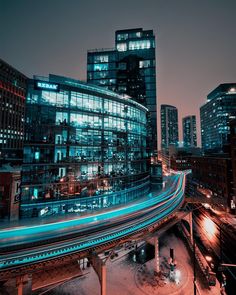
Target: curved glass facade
{"x": 80, "y": 141}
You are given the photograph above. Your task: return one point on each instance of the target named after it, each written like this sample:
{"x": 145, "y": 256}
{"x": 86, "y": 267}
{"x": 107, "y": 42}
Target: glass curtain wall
{"x": 80, "y": 143}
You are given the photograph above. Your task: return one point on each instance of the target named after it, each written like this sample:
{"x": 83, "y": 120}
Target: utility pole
{"x": 194, "y": 267}
{"x": 221, "y": 250}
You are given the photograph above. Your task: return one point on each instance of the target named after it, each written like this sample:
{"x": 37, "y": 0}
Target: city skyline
{"x": 186, "y": 54}
{"x": 117, "y": 147}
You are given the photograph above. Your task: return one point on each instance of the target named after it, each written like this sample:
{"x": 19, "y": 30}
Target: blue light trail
{"x": 163, "y": 205}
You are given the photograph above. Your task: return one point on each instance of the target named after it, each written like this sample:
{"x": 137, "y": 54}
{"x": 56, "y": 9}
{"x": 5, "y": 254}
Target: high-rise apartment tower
{"x": 169, "y": 126}
{"x": 129, "y": 69}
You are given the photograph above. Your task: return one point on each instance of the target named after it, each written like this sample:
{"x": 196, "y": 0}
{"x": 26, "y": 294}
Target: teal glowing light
{"x": 27, "y": 231}
{"x": 46, "y": 86}
{"x": 167, "y": 205}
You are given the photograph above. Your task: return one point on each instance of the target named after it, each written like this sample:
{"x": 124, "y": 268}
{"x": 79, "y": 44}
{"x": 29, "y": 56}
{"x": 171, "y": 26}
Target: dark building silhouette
{"x": 212, "y": 175}
{"x": 13, "y": 85}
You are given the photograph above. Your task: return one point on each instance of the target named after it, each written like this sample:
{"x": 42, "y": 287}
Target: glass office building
{"x": 189, "y": 131}
{"x": 12, "y": 110}
{"x": 82, "y": 142}
{"x": 130, "y": 69}
{"x": 169, "y": 126}
{"x": 215, "y": 115}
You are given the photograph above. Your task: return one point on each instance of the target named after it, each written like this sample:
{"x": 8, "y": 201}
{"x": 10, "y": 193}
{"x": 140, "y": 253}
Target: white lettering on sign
{"x": 49, "y": 86}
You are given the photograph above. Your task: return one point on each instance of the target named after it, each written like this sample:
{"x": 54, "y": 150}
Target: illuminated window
{"x": 121, "y": 37}
{"x": 36, "y": 155}
{"x": 101, "y": 67}
{"x": 135, "y": 35}
{"x": 61, "y": 118}
{"x": 144, "y": 63}
{"x": 136, "y": 45}
{"x": 35, "y": 194}
{"x": 48, "y": 97}
{"x": 62, "y": 99}
{"x": 121, "y": 47}
{"x": 73, "y": 99}
{"x": 101, "y": 58}
{"x": 100, "y": 74}
{"x": 112, "y": 81}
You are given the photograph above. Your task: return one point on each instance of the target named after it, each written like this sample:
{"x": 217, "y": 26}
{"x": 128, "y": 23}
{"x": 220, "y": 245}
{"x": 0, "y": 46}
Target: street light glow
{"x": 210, "y": 227}
{"x": 177, "y": 276}
{"x": 208, "y": 258}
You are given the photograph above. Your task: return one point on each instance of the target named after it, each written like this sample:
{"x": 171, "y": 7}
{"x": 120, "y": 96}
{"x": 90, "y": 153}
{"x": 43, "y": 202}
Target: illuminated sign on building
{"x": 42, "y": 85}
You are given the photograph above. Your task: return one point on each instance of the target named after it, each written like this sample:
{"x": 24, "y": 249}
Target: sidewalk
{"x": 166, "y": 282}
{"x": 179, "y": 282}
{"x": 126, "y": 277}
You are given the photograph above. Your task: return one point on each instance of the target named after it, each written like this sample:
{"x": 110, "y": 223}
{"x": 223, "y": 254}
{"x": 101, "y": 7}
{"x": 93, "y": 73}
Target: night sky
{"x": 196, "y": 41}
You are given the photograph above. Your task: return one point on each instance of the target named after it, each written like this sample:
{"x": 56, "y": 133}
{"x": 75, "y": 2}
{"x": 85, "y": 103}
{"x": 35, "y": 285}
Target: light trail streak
{"x": 167, "y": 205}
{"x": 29, "y": 230}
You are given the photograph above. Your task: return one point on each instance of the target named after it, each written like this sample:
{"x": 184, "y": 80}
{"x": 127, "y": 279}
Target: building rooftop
{"x": 144, "y": 32}
{"x": 90, "y": 87}
{"x": 103, "y": 50}
{"x": 189, "y": 116}
{"x": 168, "y": 105}
{"x": 11, "y": 68}
{"x": 226, "y": 88}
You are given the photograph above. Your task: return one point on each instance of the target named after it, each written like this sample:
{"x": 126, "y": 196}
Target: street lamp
{"x": 194, "y": 266}
{"x": 208, "y": 258}
{"x": 209, "y": 227}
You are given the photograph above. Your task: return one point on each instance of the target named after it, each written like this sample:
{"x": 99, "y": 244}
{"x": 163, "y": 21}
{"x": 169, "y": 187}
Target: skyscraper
{"x": 169, "y": 126}
{"x": 13, "y": 86}
{"x": 189, "y": 131}
{"x": 12, "y": 94}
{"x": 215, "y": 115}
{"x": 129, "y": 69}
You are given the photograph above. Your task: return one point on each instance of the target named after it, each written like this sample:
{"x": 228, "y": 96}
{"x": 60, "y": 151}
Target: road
{"x": 216, "y": 240}
{"x": 30, "y": 244}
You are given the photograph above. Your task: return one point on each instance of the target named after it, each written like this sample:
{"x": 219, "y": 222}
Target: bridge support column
{"x": 189, "y": 219}
{"x": 100, "y": 268}
{"x": 157, "y": 258}
{"x": 103, "y": 279}
{"x": 24, "y": 285}
{"x": 191, "y": 226}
